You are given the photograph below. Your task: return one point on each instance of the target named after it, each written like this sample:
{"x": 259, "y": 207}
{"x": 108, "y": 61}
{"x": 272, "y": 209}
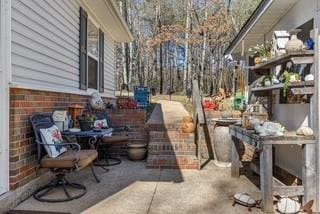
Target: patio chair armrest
{"x": 74, "y": 146}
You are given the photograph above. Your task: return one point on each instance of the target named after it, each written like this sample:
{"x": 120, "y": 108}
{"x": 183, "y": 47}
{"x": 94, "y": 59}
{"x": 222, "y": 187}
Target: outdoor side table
{"x": 270, "y": 186}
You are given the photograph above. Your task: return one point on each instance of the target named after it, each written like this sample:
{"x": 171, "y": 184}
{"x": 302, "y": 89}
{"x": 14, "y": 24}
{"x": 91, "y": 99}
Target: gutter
{"x": 119, "y": 16}
{"x": 261, "y": 9}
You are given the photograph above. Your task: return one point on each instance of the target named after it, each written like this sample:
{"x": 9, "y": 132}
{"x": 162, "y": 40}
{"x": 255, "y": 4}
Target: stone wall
{"x": 23, "y": 103}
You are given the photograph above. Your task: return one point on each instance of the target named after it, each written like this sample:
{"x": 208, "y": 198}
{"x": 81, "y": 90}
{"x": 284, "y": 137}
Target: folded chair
{"x": 73, "y": 158}
{"x": 108, "y": 141}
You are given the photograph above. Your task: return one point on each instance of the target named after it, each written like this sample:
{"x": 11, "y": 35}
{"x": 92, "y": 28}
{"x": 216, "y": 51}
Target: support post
{"x": 235, "y": 161}
{"x": 315, "y": 125}
{"x": 266, "y": 178}
{"x": 308, "y": 172}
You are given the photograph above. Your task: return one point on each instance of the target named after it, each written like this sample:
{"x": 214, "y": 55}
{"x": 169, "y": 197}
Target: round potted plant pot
{"x": 257, "y": 60}
{"x": 86, "y": 125}
{"x": 137, "y": 151}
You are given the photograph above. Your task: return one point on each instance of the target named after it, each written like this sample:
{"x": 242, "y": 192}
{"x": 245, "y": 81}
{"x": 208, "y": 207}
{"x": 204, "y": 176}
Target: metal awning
{"x": 109, "y": 16}
{"x": 261, "y": 22}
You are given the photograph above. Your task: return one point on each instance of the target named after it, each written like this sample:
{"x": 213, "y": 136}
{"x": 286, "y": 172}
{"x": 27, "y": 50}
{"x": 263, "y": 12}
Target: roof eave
{"x": 261, "y": 9}
{"x": 124, "y": 25}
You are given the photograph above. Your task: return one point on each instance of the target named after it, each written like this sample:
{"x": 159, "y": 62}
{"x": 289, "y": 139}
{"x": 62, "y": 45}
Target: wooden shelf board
{"x": 305, "y": 57}
{"x": 281, "y": 85}
{"x": 279, "y": 188}
{"x": 289, "y": 138}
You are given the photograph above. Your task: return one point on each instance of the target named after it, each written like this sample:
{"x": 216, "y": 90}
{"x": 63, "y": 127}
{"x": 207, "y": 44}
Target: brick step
{"x": 172, "y": 148}
{"x": 170, "y": 136}
{"x": 163, "y": 127}
{"x": 173, "y": 161}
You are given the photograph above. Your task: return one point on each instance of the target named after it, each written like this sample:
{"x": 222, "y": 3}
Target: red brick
{"x": 24, "y": 103}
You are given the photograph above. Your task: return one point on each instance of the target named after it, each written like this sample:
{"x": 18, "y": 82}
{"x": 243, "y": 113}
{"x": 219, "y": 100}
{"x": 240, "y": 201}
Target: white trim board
{"x": 5, "y": 77}
{"x": 57, "y": 90}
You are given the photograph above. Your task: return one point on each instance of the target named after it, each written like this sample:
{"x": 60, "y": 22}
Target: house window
{"x": 91, "y": 54}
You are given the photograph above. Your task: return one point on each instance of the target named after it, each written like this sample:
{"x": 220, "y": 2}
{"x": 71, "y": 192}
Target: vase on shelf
{"x": 294, "y": 44}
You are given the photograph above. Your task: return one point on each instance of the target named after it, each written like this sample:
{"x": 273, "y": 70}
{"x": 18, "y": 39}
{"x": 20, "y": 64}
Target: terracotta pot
{"x": 188, "y": 127}
{"x": 187, "y": 119}
{"x": 137, "y": 151}
{"x": 257, "y": 60}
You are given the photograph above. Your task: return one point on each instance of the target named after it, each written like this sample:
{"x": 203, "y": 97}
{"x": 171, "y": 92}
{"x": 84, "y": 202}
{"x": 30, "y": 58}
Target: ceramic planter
{"x": 294, "y": 44}
{"x": 137, "y": 151}
{"x": 86, "y": 125}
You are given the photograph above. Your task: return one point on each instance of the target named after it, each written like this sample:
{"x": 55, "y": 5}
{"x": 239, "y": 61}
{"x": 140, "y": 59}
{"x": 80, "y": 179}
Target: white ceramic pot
{"x": 294, "y": 44}
{"x": 309, "y": 77}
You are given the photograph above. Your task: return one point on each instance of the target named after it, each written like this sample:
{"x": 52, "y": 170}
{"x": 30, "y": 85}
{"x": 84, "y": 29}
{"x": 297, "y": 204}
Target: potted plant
{"x": 261, "y": 53}
{"x": 287, "y": 78}
{"x": 86, "y": 121}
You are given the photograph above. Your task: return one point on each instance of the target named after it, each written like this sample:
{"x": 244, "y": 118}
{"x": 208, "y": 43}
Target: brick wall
{"x": 24, "y": 103}
{"x": 135, "y": 119}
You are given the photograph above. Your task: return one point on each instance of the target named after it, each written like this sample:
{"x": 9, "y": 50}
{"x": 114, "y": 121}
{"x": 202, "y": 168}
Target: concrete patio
{"x": 131, "y": 188}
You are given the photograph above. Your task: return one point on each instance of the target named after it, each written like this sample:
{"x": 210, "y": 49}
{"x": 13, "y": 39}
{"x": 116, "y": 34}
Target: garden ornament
{"x": 245, "y": 199}
{"x": 96, "y": 101}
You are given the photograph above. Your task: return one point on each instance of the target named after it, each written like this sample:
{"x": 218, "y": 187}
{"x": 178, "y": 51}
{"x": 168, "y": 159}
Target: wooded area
{"x": 176, "y": 41}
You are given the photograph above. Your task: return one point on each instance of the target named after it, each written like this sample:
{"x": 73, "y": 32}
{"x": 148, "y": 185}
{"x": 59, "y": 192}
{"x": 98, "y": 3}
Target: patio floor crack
{"x": 154, "y": 192}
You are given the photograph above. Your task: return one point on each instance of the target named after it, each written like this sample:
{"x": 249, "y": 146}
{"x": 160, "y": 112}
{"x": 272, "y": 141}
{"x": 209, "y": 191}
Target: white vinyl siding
{"x": 45, "y": 46}
{"x": 109, "y": 67}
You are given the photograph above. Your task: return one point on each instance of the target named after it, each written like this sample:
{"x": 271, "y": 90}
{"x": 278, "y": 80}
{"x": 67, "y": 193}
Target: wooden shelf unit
{"x": 281, "y": 85}
{"x": 305, "y": 57}
{"x": 264, "y": 145}
{"x": 269, "y": 185}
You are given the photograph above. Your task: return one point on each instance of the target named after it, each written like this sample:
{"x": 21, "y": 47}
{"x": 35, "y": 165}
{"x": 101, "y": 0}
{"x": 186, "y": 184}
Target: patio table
{"x": 269, "y": 185}
{"x": 94, "y": 137}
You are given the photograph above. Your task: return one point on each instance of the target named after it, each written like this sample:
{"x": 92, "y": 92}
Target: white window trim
{"x": 87, "y": 92}
{"x": 91, "y": 90}
{"x": 5, "y": 78}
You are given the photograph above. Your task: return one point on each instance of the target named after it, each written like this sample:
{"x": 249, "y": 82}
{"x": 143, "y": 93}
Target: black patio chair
{"x": 73, "y": 159}
{"x": 108, "y": 141}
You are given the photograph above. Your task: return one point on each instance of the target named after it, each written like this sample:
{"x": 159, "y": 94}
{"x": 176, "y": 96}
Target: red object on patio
{"x": 127, "y": 103}
{"x": 209, "y": 105}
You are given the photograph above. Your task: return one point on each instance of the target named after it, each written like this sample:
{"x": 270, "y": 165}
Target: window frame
{"x": 90, "y": 19}
{"x": 84, "y": 54}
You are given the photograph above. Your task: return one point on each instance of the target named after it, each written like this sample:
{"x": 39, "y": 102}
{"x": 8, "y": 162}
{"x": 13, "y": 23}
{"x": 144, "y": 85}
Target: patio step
{"x": 172, "y": 150}
{"x": 164, "y": 127}
{"x": 162, "y": 148}
{"x": 172, "y": 162}
{"x": 168, "y": 146}
{"x": 171, "y": 136}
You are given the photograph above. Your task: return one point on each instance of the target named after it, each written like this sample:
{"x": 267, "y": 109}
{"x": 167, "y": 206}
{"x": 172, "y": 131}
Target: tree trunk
{"x": 204, "y": 48}
{"x": 161, "y": 70}
{"x": 123, "y": 11}
{"x": 187, "y": 63}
